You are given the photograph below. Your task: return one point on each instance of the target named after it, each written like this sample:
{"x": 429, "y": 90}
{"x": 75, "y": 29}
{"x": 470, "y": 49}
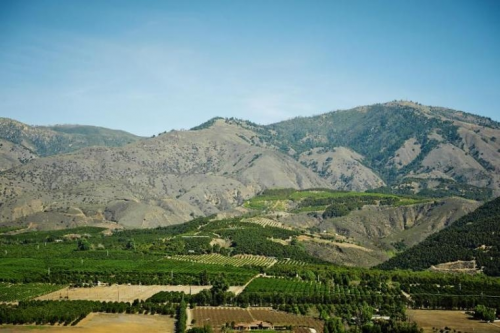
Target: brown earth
{"x": 456, "y": 320}
{"x": 469, "y": 267}
{"x": 121, "y": 293}
{"x": 125, "y": 293}
{"x": 218, "y": 316}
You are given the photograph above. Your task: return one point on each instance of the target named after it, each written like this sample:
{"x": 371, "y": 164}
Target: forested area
{"x": 475, "y": 236}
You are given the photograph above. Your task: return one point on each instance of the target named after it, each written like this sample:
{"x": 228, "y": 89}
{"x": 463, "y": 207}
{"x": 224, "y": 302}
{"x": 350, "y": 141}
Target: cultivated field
{"x": 121, "y": 293}
{"x": 218, "y": 316}
{"x": 237, "y": 260}
{"x": 103, "y": 323}
{"x": 456, "y": 320}
{"x": 10, "y": 292}
{"x": 264, "y": 222}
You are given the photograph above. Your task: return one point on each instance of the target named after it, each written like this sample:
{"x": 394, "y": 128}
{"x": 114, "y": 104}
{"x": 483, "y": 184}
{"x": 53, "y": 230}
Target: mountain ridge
{"x": 396, "y": 147}
{"x": 43, "y": 141}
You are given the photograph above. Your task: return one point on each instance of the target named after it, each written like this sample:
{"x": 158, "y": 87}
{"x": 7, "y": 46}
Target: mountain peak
{"x": 220, "y": 121}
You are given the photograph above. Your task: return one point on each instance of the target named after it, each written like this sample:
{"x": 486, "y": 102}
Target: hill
{"x": 353, "y": 228}
{"x": 21, "y": 143}
{"x": 474, "y": 237}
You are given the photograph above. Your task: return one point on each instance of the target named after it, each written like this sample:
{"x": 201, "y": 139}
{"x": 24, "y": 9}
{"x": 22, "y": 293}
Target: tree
{"x": 83, "y": 245}
{"x": 334, "y": 325}
{"x": 219, "y": 288}
{"x": 365, "y": 313}
{"x": 130, "y": 245}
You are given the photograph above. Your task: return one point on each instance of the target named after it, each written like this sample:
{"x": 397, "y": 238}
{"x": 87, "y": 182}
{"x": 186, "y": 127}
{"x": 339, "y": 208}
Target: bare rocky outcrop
{"x": 342, "y": 168}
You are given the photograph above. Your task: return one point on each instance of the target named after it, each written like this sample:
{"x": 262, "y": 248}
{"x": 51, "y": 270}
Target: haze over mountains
{"x": 65, "y": 176}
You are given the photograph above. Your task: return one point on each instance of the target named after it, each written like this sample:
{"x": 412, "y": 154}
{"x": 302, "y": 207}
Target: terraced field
{"x": 238, "y": 260}
{"x": 264, "y": 222}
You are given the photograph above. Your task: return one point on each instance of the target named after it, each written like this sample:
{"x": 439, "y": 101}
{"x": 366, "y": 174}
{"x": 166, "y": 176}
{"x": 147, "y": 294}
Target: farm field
{"x": 317, "y": 200}
{"x": 218, "y": 316}
{"x": 238, "y": 260}
{"x": 121, "y": 293}
{"x": 456, "y": 320}
{"x": 125, "y": 293}
{"x": 103, "y": 323}
{"x": 264, "y": 222}
{"x": 19, "y": 292}
{"x": 286, "y": 286}
{"x": 162, "y": 271}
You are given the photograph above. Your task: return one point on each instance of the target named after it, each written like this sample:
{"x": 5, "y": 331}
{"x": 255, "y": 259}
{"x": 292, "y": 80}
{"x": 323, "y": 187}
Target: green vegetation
{"x": 444, "y": 188}
{"x": 353, "y": 296}
{"x": 7, "y": 229}
{"x": 85, "y": 256}
{"x": 183, "y": 254}
{"x": 71, "y": 312}
{"x": 218, "y": 259}
{"x": 19, "y": 292}
{"x": 180, "y": 324}
{"x": 334, "y": 203}
{"x": 377, "y": 133}
{"x": 483, "y": 313}
{"x": 475, "y": 236}
{"x": 336, "y": 293}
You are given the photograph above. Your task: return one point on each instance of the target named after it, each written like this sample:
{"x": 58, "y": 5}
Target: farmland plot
{"x": 19, "y": 292}
{"x": 104, "y": 322}
{"x": 219, "y": 316}
{"x": 456, "y": 320}
{"x": 120, "y": 293}
{"x": 238, "y": 260}
{"x": 264, "y": 222}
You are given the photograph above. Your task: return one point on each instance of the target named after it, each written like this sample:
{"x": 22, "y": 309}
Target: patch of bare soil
{"x": 120, "y": 293}
{"x": 459, "y": 266}
{"x": 305, "y": 238}
{"x": 455, "y": 320}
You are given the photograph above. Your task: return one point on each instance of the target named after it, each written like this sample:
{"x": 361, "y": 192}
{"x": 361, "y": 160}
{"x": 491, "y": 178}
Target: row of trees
{"x": 71, "y": 312}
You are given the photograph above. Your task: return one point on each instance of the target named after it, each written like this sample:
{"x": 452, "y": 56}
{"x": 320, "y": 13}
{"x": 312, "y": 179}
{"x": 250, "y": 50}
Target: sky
{"x": 152, "y": 66}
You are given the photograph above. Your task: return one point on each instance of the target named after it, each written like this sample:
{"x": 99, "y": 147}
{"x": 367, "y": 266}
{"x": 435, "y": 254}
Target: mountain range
{"x": 71, "y": 175}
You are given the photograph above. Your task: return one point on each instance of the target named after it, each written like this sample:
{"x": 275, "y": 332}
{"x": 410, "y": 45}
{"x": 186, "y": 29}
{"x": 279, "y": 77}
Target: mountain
{"x": 473, "y": 240}
{"x": 405, "y": 147}
{"x": 20, "y": 143}
{"x": 62, "y": 179}
{"x": 159, "y": 181}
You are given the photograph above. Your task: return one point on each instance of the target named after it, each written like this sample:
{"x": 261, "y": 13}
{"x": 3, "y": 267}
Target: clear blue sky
{"x": 150, "y": 66}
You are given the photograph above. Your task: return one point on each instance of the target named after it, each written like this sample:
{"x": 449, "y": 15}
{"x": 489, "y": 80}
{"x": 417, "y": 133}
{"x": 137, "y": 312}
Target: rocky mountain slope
{"x": 165, "y": 180}
{"x": 401, "y": 145}
{"x": 396, "y": 147}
